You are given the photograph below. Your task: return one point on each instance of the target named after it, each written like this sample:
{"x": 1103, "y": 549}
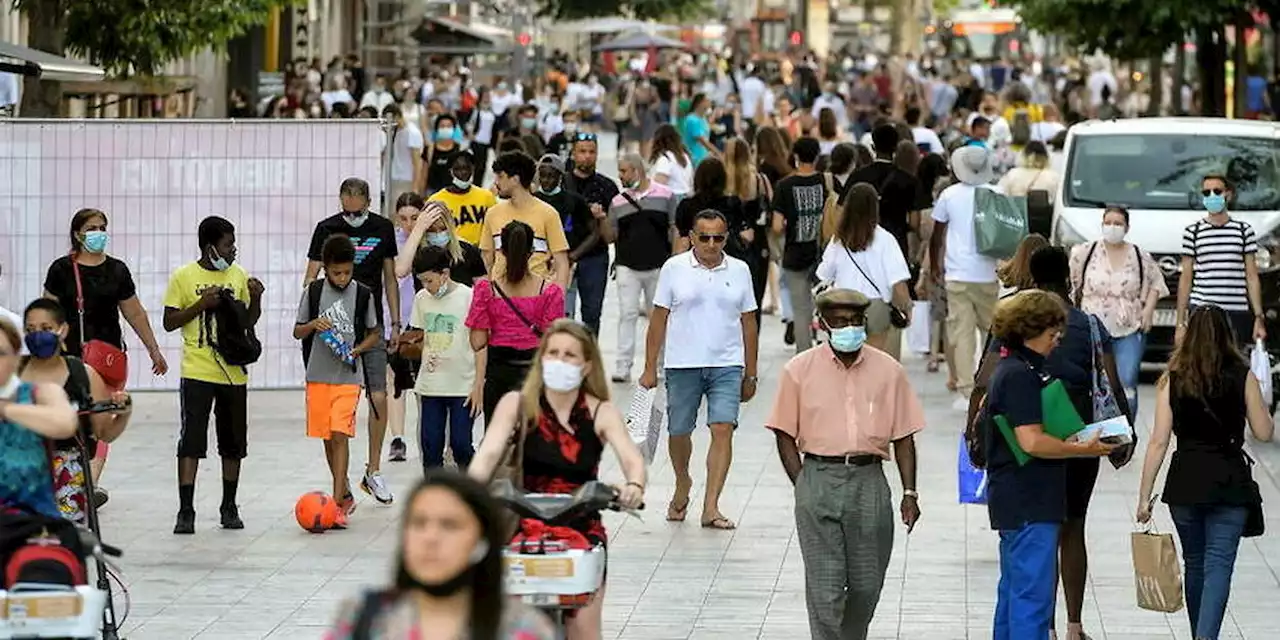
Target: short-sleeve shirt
{"x": 679, "y": 176}
{"x": 873, "y": 271}
{"x": 695, "y": 127}
{"x": 548, "y": 234}
{"x": 962, "y": 261}
{"x": 800, "y": 199}
{"x": 704, "y": 328}
{"x": 900, "y": 194}
{"x": 448, "y": 364}
{"x": 834, "y": 410}
{"x": 1217, "y": 253}
{"x": 489, "y": 312}
{"x": 1018, "y": 495}
{"x": 375, "y": 241}
{"x": 644, "y": 234}
{"x": 186, "y": 285}
{"x": 105, "y": 286}
{"x": 1116, "y": 295}
{"x": 468, "y": 208}
{"x": 1072, "y": 361}
{"x": 339, "y": 307}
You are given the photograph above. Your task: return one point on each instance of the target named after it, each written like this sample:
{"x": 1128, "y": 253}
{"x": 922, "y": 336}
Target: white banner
{"x": 156, "y": 179}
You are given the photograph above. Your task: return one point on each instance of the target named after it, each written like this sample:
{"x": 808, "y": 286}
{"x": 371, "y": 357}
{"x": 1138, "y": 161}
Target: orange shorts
{"x": 331, "y": 408}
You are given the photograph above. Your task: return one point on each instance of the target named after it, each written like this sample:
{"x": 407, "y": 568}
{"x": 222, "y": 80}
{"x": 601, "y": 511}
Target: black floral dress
{"x": 559, "y": 459}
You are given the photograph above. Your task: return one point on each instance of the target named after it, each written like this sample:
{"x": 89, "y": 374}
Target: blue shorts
{"x": 722, "y": 387}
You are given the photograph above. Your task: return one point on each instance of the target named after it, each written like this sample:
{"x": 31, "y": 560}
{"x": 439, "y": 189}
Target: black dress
{"x": 559, "y": 459}
{"x": 1209, "y": 465}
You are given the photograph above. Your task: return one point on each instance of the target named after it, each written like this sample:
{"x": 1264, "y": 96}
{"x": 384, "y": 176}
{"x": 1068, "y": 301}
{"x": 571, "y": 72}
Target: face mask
{"x": 1215, "y": 203}
{"x": 528, "y": 123}
{"x": 459, "y": 582}
{"x": 355, "y": 218}
{"x": 570, "y": 128}
{"x": 96, "y": 241}
{"x": 562, "y": 376}
{"x": 42, "y": 344}
{"x": 218, "y": 261}
{"x": 551, "y": 192}
{"x": 10, "y": 389}
{"x": 444, "y": 133}
{"x": 633, "y": 185}
{"x": 848, "y": 339}
{"x": 438, "y": 238}
{"x": 1113, "y": 233}
{"x": 442, "y": 291}
{"x": 462, "y": 184}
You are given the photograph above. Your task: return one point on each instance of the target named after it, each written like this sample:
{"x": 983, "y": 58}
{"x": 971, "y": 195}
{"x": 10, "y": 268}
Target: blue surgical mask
{"x": 442, "y": 291}
{"x": 42, "y": 344}
{"x": 96, "y": 241}
{"x": 1215, "y": 203}
{"x": 848, "y": 339}
{"x": 220, "y": 263}
{"x": 444, "y": 133}
{"x": 552, "y": 192}
{"x": 438, "y": 238}
{"x": 462, "y": 185}
{"x": 528, "y": 123}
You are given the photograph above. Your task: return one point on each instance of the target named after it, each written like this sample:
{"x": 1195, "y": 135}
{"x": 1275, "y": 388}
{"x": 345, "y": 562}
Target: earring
{"x": 479, "y": 552}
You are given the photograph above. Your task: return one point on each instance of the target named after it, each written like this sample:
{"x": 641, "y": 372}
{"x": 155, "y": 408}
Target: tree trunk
{"x": 46, "y": 21}
{"x": 1155, "y": 75}
{"x": 1211, "y": 58}
{"x": 898, "y": 23}
{"x": 1179, "y": 79}
{"x": 1240, "y": 62}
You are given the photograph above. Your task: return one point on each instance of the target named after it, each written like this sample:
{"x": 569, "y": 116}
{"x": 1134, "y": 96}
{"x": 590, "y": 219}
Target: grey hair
{"x": 354, "y": 187}
{"x": 635, "y": 161}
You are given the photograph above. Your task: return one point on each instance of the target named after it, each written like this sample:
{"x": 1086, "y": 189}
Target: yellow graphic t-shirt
{"x": 548, "y": 235}
{"x": 185, "y": 287}
{"x": 468, "y": 210}
{"x": 448, "y": 363}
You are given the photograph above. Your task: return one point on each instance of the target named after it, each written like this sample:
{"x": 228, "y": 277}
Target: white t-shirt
{"x": 925, "y": 135}
{"x": 882, "y": 266}
{"x": 679, "y": 179}
{"x": 593, "y": 98}
{"x": 408, "y": 144}
{"x": 1097, "y": 81}
{"x": 836, "y": 105}
{"x": 963, "y": 262}
{"x": 484, "y": 121}
{"x": 751, "y": 90}
{"x": 377, "y": 99}
{"x": 704, "y": 328}
{"x": 330, "y": 98}
{"x": 1046, "y": 131}
{"x": 15, "y": 320}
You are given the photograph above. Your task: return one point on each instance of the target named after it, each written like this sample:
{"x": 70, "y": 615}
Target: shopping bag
{"x": 644, "y": 420}
{"x": 1157, "y": 574}
{"x": 999, "y": 223}
{"x": 971, "y": 480}
{"x": 1260, "y": 365}
{"x": 1058, "y": 417}
{"x": 919, "y": 339}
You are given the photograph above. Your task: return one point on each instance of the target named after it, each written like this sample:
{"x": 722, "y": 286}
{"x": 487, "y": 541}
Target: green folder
{"x": 1059, "y": 419}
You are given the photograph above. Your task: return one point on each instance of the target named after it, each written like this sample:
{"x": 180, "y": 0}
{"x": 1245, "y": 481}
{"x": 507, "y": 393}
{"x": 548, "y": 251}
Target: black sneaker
{"x": 186, "y": 523}
{"x": 100, "y": 497}
{"x": 789, "y": 334}
{"x": 231, "y": 517}
{"x": 398, "y": 450}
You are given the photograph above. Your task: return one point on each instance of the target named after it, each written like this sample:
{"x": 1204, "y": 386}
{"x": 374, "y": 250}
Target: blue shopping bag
{"x": 971, "y": 480}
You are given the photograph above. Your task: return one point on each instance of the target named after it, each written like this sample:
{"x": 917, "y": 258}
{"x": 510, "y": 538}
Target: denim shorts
{"x": 722, "y": 387}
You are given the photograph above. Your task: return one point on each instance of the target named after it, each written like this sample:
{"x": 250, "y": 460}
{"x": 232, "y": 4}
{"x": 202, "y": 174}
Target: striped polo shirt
{"x": 1217, "y": 254}
{"x": 643, "y": 233}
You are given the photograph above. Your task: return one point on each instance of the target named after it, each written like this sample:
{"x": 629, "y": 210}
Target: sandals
{"x": 675, "y": 514}
{"x": 722, "y": 523}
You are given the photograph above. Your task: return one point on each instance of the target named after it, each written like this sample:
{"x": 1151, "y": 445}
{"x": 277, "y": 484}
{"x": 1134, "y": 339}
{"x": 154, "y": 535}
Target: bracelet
{"x": 636, "y": 485}
{"x": 910, "y": 493}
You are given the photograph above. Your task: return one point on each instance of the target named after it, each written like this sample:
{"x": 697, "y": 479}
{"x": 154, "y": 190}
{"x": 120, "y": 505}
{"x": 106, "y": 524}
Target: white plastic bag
{"x": 644, "y": 420}
{"x": 919, "y": 338}
{"x": 1260, "y": 366}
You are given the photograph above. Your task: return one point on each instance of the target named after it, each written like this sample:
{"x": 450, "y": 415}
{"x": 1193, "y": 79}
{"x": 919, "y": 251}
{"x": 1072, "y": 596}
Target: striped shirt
{"x": 1217, "y": 253}
{"x": 643, "y": 234}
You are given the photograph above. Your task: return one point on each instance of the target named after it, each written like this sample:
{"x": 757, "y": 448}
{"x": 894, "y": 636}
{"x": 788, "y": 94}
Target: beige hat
{"x": 973, "y": 164}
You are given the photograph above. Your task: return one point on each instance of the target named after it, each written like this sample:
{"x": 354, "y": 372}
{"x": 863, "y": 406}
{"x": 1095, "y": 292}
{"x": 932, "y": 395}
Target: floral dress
{"x": 1116, "y": 295}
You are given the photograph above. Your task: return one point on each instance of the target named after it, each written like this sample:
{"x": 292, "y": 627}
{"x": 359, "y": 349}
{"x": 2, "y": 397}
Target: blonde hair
{"x": 737, "y": 164}
{"x": 455, "y": 246}
{"x": 594, "y": 383}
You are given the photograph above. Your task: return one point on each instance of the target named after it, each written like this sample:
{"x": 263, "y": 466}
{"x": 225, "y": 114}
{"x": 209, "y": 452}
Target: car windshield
{"x": 1164, "y": 171}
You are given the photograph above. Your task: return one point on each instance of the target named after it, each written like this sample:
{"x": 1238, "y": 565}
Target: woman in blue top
{"x": 697, "y": 130}
{"x": 1027, "y": 503}
{"x": 30, "y": 417}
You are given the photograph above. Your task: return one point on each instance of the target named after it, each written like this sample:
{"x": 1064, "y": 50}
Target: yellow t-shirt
{"x": 198, "y": 359}
{"x": 548, "y": 234}
{"x": 468, "y": 210}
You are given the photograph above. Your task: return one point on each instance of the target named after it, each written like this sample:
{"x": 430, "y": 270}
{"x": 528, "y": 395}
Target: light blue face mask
{"x": 438, "y": 238}
{"x": 552, "y": 192}
{"x": 220, "y": 263}
{"x": 528, "y": 123}
{"x": 462, "y": 185}
{"x": 1215, "y": 202}
{"x": 442, "y": 291}
{"x": 848, "y": 339}
{"x": 96, "y": 241}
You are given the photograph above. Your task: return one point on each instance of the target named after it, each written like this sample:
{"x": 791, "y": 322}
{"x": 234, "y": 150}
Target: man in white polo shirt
{"x": 972, "y": 286}
{"x": 704, "y": 315}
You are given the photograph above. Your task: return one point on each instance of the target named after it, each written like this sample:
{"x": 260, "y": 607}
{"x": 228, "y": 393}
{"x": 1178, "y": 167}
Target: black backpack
{"x": 364, "y": 295}
{"x": 231, "y": 333}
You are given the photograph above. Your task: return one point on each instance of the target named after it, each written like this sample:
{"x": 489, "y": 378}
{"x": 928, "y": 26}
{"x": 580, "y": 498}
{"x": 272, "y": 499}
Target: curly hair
{"x": 1016, "y": 272}
{"x": 1026, "y": 315}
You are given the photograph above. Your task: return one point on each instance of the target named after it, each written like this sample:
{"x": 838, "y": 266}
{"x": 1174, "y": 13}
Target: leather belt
{"x": 852, "y": 459}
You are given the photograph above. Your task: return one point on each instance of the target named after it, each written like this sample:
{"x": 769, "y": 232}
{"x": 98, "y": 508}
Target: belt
{"x": 852, "y": 459}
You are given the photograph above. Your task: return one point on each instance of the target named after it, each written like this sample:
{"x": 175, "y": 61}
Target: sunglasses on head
{"x": 712, "y": 238}
{"x": 1215, "y": 191}
{"x": 585, "y": 137}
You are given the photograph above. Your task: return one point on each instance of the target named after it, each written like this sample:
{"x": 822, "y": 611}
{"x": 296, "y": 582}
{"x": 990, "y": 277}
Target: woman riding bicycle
{"x": 448, "y": 580}
{"x": 564, "y": 415}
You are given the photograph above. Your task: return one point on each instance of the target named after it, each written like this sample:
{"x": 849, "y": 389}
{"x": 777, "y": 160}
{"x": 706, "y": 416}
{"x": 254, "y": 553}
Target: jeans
{"x": 632, "y": 287}
{"x": 1028, "y": 581}
{"x": 1128, "y": 352}
{"x": 590, "y": 276}
{"x": 439, "y": 414}
{"x": 1210, "y": 536}
{"x": 722, "y": 387}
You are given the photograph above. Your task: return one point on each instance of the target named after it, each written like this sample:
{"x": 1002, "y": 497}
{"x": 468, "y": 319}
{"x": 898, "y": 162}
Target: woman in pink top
{"x": 509, "y": 315}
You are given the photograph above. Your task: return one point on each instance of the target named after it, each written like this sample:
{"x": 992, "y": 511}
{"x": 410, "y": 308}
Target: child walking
{"x": 339, "y": 312}
{"x": 451, "y": 378}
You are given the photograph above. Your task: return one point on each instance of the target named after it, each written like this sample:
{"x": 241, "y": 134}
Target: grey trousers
{"x": 844, "y": 519}
{"x": 800, "y": 286}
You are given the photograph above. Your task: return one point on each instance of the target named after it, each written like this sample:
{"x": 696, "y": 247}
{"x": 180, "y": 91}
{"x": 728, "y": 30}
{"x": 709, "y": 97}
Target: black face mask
{"x": 449, "y": 587}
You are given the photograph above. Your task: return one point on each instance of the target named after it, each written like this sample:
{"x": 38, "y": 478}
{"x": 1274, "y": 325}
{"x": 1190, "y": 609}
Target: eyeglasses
{"x": 1216, "y": 192}
{"x": 712, "y": 238}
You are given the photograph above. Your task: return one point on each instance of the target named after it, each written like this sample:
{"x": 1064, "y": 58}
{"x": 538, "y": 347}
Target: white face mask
{"x": 561, "y": 376}
{"x": 1113, "y": 233}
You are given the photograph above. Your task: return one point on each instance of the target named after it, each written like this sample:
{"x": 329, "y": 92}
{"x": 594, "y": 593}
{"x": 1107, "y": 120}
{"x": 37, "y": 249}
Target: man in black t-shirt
{"x": 375, "y": 239}
{"x": 902, "y": 195}
{"x": 798, "y": 200}
{"x": 589, "y": 246}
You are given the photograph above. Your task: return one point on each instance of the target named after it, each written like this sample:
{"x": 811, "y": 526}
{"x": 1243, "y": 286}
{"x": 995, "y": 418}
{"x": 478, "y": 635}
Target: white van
{"x": 1154, "y": 166}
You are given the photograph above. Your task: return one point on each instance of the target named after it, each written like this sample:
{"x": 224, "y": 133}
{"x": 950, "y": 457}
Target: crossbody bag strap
{"x": 864, "y": 273}
{"x": 1084, "y": 273}
{"x": 516, "y": 310}
{"x": 75, "y": 269}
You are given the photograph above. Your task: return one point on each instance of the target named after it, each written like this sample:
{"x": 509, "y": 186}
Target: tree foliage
{"x": 139, "y": 37}
{"x": 1126, "y": 29}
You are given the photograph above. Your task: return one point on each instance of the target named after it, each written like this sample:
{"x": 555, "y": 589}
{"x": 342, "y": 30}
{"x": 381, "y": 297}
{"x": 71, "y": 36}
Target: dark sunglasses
{"x": 712, "y": 238}
{"x": 1216, "y": 192}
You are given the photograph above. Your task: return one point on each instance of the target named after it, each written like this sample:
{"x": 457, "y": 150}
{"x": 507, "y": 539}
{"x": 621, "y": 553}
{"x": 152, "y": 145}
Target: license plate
{"x": 1165, "y": 318}
{"x": 43, "y": 607}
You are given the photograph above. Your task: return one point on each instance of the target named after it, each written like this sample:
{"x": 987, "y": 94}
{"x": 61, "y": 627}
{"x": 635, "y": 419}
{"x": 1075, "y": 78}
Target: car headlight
{"x": 1268, "y": 256}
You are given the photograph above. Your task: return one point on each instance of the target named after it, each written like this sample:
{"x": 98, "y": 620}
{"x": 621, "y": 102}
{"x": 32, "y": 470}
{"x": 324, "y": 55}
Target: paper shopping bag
{"x": 971, "y": 480}
{"x": 1157, "y": 574}
{"x": 644, "y": 420}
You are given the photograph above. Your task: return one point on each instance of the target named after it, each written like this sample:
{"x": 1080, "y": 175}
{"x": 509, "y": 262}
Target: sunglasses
{"x": 1216, "y": 192}
{"x": 585, "y": 137}
{"x": 712, "y": 238}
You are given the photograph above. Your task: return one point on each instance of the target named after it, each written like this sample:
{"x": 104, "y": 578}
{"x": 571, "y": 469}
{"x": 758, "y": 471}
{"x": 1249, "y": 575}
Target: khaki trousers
{"x": 969, "y": 309}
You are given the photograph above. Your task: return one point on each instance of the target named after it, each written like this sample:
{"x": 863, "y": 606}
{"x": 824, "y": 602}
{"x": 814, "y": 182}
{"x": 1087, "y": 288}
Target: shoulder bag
{"x": 107, "y": 359}
{"x": 896, "y": 317}
{"x": 516, "y": 310}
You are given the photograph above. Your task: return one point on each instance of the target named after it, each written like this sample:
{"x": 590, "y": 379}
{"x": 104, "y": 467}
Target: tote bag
{"x": 999, "y": 223}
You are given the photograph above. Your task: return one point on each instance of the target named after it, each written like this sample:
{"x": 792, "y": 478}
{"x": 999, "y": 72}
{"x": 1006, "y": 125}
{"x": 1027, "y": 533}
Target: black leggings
{"x": 505, "y": 369}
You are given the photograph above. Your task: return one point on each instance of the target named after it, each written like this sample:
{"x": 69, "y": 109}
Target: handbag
{"x": 108, "y": 360}
{"x": 410, "y": 347}
{"x": 896, "y": 317}
{"x": 1104, "y": 401}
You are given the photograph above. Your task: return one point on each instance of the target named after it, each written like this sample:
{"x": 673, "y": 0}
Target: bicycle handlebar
{"x": 555, "y": 509}
{"x": 104, "y": 407}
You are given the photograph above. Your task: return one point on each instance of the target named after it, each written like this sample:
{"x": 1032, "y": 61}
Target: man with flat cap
{"x": 840, "y": 407}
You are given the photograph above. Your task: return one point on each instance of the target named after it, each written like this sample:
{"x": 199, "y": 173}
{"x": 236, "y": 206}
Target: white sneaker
{"x": 961, "y": 403}
{"x": 375, "y": 485}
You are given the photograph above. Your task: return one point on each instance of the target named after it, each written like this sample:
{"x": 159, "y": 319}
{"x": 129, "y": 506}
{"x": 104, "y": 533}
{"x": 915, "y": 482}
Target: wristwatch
{"x": 910, "y": 493}
{"x": 750, "y": 379}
